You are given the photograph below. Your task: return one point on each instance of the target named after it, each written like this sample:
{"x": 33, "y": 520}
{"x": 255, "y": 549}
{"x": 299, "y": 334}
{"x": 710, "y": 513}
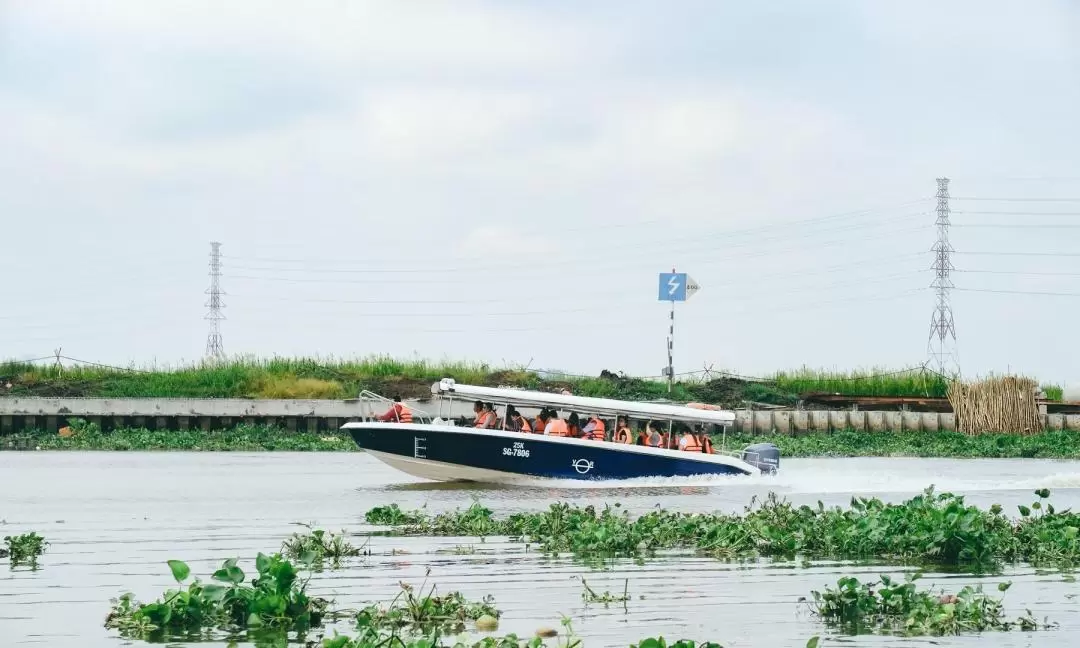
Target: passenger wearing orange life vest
{"x": 397, "y": 413}
{"x": 652, "y": 437}
{"x": 622, "y": 431}
{"x": 540, "y": 422}
{"x": 689, "y": 442}
{"x": 485, "y": 415}
{"x": 556, "y": 426}
{"x": 516, "y": 422}
{"x": 594, "y": 430}
{"x": 573, "y": 426}
{"x": 706, "y": 444}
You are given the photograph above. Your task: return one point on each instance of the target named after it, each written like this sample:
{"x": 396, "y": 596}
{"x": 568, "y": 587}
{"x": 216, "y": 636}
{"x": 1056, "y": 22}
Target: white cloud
{"x": 495, "y": 242}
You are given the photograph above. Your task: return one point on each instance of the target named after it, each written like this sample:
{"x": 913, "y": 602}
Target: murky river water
{"x": 113, "y": 519}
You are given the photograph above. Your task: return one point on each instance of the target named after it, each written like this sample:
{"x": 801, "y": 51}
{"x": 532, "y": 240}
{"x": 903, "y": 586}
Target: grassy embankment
{"x": 329, "y": 378}
{"x": 333, "y": 379}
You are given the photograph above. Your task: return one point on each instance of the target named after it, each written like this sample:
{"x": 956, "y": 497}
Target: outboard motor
{"x": 763, "y": 456}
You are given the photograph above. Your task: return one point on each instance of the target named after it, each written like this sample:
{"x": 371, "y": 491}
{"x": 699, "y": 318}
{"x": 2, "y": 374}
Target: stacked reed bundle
{"x": 996, "y": 405}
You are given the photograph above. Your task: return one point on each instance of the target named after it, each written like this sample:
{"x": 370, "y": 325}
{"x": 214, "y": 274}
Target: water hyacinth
{"x": 23, "y": 549}
{"x": 274, "y": 602}
{"x": 317, "y": 546}
{"x": 931, "y": 528}
{"x": 902, "y": 608}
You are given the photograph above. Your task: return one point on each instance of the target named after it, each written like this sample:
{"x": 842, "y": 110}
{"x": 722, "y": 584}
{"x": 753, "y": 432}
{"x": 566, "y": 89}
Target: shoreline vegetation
{"x": 1050, "y": 444}
{"x": 330, "y": 378}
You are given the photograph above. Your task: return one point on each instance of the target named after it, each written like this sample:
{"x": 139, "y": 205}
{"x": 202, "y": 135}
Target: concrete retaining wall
{"x": 318, "y": 415}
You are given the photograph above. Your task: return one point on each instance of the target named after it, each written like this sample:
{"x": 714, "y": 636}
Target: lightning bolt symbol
{"x": 673, "y": 285}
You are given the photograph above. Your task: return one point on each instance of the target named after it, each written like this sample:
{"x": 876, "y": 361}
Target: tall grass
{"x": 868, "y": 382}
{"x": 330, "y": 377}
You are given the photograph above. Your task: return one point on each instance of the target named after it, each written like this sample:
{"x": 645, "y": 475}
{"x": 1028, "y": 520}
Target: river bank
{"x": 1050, "y": 444}
{"x": 300, "y": 378}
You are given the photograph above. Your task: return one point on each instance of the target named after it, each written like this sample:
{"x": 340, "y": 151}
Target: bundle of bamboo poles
{"x": 1004, "y": 404}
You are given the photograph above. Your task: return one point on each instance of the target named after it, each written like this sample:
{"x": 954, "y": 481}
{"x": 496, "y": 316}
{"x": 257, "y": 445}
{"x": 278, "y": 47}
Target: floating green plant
{"x": 24, "y": 549}
{"x": 274, "y": 601}
{"x": 931, "y": 528}
{"x": 416, "y": 613}
{"x": 901, "y": 608}
{"x": 317, "y": 546}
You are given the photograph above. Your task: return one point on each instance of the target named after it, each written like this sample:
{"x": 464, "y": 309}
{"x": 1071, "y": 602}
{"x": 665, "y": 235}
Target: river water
{"x": 113, "y": 519}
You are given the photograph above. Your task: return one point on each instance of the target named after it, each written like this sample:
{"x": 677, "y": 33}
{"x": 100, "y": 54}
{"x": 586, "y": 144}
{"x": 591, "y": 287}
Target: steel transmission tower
{"x": 942, "y": 342}
{"x": 215, "y": 350}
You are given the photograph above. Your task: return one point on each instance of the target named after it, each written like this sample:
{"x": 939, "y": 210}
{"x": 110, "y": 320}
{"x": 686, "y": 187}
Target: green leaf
{"x": 254, "y": 621}
{"x": 1004, "y": 586}
{"x": 180, "y": 570}
{"x": 813, "y": 642}
{"x": 307, "y": 558}
{"x": 229, "y": 574}
{"x": 262, "y": 562}
{"x": 215, "y": 593}
{"x": 1024, "y": 511}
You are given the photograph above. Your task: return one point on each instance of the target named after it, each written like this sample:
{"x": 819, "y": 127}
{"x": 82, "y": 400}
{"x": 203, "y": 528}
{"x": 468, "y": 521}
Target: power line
{"x": 1016, "y": 199}
{"x": 715, "y": 255}
{"x": 1021, "y": 292}
{"x": 1017, "y": 213}
{"x": 1046, "y": 254}
{"x": 1022, "y": 272}
{"x": 1025, "y": 226}
{"x": 701, "y": 241}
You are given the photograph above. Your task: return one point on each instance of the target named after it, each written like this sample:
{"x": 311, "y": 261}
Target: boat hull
{"x": 447, "y": 453}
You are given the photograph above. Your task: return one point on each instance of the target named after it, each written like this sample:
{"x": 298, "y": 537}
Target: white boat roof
{"x": 584, "y": 404}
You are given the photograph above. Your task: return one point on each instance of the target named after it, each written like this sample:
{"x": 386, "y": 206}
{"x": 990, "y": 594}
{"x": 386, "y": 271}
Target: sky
{"x": 503, "y": 181}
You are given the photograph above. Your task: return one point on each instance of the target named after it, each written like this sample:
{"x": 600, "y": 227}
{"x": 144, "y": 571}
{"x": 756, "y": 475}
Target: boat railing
{"x": 369, "y": 399}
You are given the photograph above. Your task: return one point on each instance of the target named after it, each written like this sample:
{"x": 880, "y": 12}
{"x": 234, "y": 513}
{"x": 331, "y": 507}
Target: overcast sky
{"x": 503, "y": 181}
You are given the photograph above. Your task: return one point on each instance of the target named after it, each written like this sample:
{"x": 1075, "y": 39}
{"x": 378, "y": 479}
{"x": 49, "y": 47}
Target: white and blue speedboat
{"x": 433, "y": 447}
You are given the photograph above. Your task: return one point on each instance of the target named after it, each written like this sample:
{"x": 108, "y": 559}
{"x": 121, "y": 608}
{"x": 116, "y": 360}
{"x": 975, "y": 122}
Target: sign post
{"x": 674, "y": 287}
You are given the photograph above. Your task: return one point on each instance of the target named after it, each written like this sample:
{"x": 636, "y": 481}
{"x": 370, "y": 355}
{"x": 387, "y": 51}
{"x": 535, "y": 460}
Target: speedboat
{"x": 435, "y": 447}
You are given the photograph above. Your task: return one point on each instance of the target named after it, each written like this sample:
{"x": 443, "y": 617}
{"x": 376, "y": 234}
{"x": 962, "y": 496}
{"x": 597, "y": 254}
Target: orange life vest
{"x": 557, "y": 427}
{"x": 598, "y": 431}
{"x": 482, "y": 419}
{"x": 692, "y": 444}
{"x": 403, "y": 413}
{"x": 706, "y": 445}
{"x": 622, "y": 435}
{"x": 538, "y": 426}
{"x": 525, "y": 426}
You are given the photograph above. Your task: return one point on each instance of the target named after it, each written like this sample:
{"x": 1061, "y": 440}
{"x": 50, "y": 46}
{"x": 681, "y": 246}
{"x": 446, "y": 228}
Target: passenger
{"x": 556, "y": 426}
{"x": 594, "y": 430}
{"x": 541, "y": 421}
{"x": 491, "y": 417}
{"x": 652, "y": 437}
{"x": 515, "y": 422}
{"x": 573, "y": 425}
{"x": 688, "y": 441}
{"x": 485, "y": 415}
{"x": 397, "y": 413}
{"x": 706, "y": 443}
{"x": 622, "y": 431}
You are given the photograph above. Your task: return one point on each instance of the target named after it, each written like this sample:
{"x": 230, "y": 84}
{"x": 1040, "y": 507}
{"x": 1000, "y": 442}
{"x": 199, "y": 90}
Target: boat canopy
{"x": 609, "y": 407}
